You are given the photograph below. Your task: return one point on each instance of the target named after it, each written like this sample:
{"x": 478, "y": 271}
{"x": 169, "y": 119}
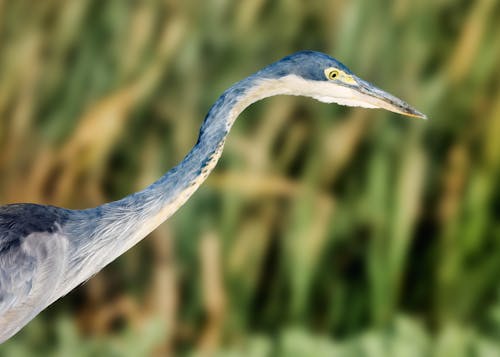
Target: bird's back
{"x": 33, "y": 255}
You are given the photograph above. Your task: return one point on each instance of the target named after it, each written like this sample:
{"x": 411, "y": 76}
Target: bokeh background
{"x": 324, "y": 230}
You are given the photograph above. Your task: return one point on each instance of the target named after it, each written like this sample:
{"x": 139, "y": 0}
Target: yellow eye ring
{"x": 332, "y": 74}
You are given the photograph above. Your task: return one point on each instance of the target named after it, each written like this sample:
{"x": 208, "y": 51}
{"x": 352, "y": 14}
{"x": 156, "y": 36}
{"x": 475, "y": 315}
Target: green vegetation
{"x": 323, "y": 231}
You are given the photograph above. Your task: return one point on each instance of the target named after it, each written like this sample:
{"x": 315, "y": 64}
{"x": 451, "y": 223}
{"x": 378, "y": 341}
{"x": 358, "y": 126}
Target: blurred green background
{"x": 323, "y": 231}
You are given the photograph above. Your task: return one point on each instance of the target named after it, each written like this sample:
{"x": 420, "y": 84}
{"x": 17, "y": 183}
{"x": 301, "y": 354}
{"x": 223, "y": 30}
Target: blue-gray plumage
{"x": 47, "y": 251}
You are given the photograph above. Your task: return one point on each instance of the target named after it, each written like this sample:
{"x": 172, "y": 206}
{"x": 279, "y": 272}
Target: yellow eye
{"x": 331, "y": 73}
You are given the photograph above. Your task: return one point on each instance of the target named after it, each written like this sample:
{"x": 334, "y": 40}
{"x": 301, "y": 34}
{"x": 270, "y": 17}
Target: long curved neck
{"x": 113, "y": 228}
{"x": 161, "y": 199}
{"x": 172, "y": 190}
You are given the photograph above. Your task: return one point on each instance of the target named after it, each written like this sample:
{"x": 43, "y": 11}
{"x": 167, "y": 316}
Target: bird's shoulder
{"x": 32, "y": 259}
{"x": 22, "y": 219}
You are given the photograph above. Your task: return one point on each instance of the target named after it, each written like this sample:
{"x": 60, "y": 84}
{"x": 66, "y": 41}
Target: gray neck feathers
{"x": 111, "y": 229}
{"x": 200, "y": 161}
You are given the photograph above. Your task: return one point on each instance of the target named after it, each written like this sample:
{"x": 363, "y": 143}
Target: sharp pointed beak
{"x": 380, "y": 99}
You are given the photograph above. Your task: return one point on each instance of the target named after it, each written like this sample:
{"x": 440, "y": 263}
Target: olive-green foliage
{"x": 323, "y": 231}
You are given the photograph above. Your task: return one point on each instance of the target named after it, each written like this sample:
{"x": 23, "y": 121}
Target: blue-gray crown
{"x": 306, "y": 64}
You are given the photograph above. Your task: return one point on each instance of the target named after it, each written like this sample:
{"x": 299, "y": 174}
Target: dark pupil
{"x": 334, "y": 74}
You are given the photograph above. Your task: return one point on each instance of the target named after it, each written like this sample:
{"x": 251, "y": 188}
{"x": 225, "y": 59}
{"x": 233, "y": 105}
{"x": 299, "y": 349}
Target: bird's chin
{"x": 346, "y": 96}
{"x": 351, "y": 102}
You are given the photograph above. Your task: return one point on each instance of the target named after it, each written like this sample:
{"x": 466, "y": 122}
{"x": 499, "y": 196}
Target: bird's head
{"x": 317, "y": 75}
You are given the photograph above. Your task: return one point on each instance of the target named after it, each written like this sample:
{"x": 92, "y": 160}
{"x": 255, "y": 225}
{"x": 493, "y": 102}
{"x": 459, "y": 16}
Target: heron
{"x": 46, "y": 251}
